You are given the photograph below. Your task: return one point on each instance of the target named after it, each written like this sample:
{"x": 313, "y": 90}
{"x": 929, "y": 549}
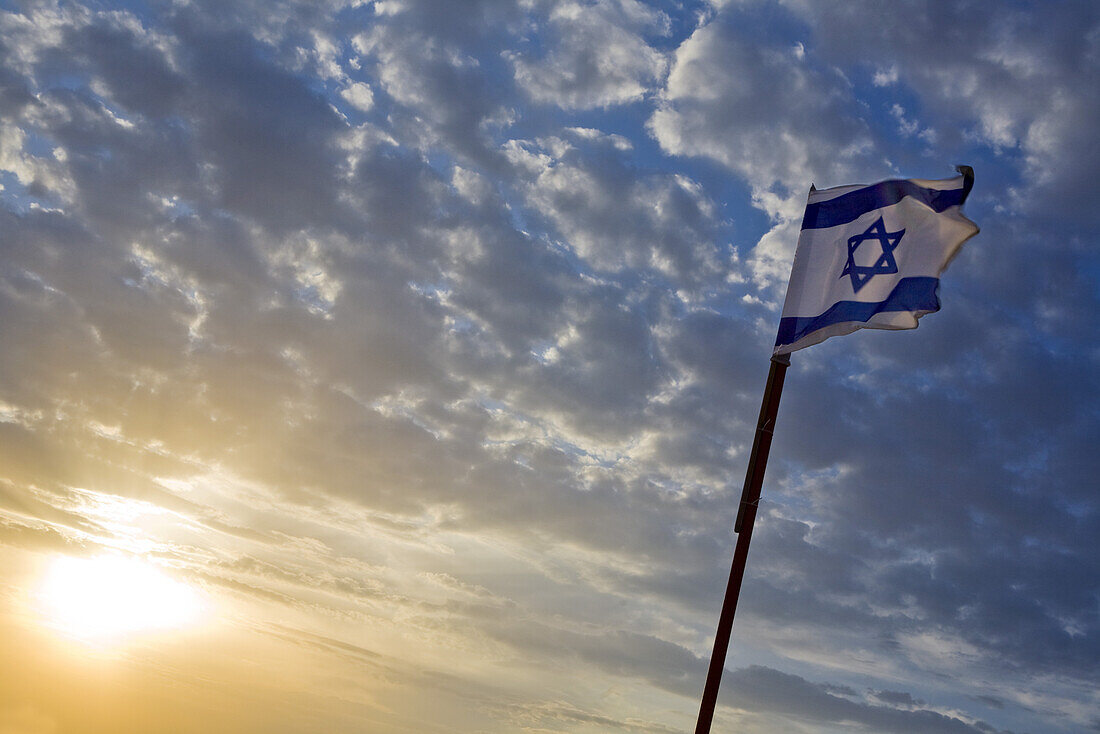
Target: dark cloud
{"x": 1006, "y": 79}
{"x": 763, "y": 689}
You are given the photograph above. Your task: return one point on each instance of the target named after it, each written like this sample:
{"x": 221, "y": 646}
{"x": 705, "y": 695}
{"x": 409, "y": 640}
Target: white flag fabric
{"x": 870, "y": 257}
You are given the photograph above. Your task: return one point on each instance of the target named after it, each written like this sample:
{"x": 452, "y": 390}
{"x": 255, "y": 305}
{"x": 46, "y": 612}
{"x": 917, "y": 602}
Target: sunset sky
{"x": 392, "y": 365}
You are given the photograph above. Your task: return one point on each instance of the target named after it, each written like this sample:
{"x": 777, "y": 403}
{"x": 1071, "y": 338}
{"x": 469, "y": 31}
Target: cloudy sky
{"x": 391, "y": 366}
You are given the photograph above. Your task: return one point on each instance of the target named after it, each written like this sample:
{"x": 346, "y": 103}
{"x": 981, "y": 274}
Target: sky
{"x": 392, "y": 366}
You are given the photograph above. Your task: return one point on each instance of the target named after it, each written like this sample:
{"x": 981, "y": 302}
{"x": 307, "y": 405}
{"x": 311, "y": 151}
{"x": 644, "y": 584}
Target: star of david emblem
{"x": 883, "y": 265}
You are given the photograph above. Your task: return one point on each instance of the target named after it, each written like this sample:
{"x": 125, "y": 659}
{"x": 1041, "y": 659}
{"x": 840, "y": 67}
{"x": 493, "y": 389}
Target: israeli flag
{"x": 870, "y": 257}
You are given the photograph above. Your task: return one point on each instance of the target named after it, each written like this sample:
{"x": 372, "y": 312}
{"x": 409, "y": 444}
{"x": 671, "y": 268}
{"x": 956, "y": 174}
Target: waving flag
{"x": 870, "y": 257}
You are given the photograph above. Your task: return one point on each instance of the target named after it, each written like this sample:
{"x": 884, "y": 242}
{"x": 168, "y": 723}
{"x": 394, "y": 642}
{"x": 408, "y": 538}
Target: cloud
{"x": 359, "y": 96}
{"x": 770, "y": 114}
{"x": 761, "y": 689}
{"x": 597, "y": 54}
{"x": 1008, "y": 83}
{"x": 614, "y": 219}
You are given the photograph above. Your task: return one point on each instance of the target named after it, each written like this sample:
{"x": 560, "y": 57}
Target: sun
{"x": 107, "y": 599}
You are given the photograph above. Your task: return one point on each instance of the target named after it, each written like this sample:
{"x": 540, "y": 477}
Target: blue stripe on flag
{"x": 910, "y": 294}
{"x": 853, "y": 205}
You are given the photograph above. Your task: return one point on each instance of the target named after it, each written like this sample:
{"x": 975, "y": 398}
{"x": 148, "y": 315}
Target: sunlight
{"x": 106, "y": 599}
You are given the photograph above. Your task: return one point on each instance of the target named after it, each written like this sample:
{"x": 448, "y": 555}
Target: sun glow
{"x": 109, "y": 598}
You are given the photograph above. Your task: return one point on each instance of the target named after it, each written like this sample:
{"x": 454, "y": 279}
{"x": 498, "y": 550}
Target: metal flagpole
{"x": 746, "y": 516}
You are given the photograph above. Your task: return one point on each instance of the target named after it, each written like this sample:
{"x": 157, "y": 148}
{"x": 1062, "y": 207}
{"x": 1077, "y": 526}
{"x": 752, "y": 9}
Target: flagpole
{"x": 746, "y": 517}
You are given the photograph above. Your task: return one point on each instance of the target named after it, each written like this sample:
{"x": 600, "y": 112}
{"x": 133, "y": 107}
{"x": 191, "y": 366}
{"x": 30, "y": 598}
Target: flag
{"x": 870, "y": 257}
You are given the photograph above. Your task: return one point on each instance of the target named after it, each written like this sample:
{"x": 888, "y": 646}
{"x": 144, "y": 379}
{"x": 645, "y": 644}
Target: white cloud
{"x": 359, "y": 96}
{"x": 769, "y": 115}
{"x": 613, "y": 218}
{"x": 599, "y": 56}
{"x": 885, "y": 77}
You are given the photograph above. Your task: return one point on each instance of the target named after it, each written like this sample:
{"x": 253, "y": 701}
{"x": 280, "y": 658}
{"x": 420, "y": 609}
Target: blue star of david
{"x": 884, "y": 265}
